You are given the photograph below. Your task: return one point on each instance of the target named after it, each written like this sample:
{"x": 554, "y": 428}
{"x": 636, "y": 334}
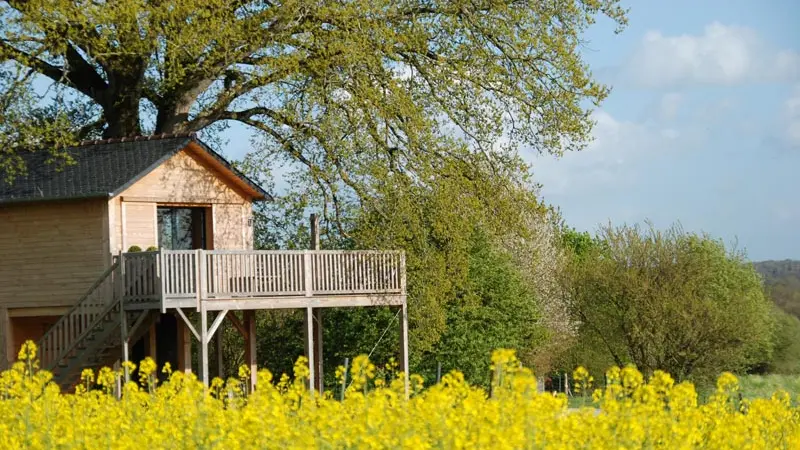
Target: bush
{"x": 670, "y": 300}
{"x": 786, "y": 354}
{"x": 134, "y": 249}
{"x": 152, "y": 248}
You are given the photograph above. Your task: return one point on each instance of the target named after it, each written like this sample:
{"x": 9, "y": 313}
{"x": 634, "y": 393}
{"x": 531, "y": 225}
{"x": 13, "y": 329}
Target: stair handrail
{"x": 49, "y": 355}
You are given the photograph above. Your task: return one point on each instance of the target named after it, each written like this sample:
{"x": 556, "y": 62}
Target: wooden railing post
{"x": 403, "y": 272}
{"x": 309, "y": 276}
{"x": 161, "y": 270}
{"x": 122, "y": 318}
{"x": 199, "y": 276}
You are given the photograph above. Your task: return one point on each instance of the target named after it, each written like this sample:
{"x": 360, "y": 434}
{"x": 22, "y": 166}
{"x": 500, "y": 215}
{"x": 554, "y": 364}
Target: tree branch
{"x": 55, "y": 73}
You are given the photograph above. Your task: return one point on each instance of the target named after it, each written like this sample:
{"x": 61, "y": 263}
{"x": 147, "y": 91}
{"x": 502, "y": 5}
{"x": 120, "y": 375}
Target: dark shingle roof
{"x": 101, "y": 169}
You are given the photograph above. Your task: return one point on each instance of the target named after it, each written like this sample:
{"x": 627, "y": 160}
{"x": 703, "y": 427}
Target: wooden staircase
{"x": 89, "y": 335}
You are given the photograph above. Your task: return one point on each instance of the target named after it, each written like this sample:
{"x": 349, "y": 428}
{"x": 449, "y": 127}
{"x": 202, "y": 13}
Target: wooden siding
{"x": 229, "y": 226}
{"x": 52, "y": 252}
{"x": 140, "y": 225}
{"x": 183, "y": 180}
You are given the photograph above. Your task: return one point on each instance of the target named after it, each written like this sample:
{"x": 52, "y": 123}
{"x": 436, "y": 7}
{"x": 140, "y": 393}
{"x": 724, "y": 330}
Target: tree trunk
{"x": 123, "y": 120}
{"x": 121, "y": 102}
{"x": 173, "y": 110}
{"x": 172, "y": 117}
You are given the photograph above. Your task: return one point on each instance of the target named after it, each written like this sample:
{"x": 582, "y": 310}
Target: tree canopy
{"x": 345, "y": 89}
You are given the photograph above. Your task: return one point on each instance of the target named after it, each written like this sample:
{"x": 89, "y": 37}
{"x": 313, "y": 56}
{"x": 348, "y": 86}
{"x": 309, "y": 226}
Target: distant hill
{"x": 782, "y": 279}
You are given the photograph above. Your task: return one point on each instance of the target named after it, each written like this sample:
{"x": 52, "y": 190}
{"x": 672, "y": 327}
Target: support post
{"x": 124, "y": 338}
{"x": 151, "y": 342}
{"x": 317, "y": 314}
{"x": 184, "y": 347}
{"x": 404, "y": 344}
{"x": 317, "y": 327}
{"x": 123, "y": 319}
{"x": 309, "y": 332}
{"x": 220, "y": 363}
{"x": 6, "y": 344}
{"x": 250, "y": 346}
{"x": 204, "y": 345}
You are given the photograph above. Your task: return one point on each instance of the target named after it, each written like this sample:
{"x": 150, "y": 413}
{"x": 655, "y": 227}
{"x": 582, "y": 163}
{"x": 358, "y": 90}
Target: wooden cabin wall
{"x": 50, "y": 255}
{"x": 52, "y": 252}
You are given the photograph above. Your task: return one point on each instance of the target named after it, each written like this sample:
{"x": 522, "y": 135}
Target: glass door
{"x": 181, "y": 228}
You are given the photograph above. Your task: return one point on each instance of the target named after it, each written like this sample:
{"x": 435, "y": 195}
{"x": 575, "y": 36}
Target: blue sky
{"x": 702, "y": 126}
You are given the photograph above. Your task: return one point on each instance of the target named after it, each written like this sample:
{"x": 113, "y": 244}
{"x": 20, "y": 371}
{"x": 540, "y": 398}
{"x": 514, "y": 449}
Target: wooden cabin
{"x": 69, "y": 281}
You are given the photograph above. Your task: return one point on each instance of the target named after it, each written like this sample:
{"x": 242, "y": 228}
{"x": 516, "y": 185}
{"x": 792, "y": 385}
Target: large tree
{"x": 345, "y": 89}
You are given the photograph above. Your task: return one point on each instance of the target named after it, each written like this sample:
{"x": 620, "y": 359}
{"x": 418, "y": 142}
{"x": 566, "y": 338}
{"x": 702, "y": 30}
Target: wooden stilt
{"x": 316, "y": 316}
{"x": 220, "y": 363}
{"x": 184, "y": 347}
{"x": 204, "y": 345}
{"x": 250, "y": 346}
{"x": 404, "y": 344}
{"x": 123, "y": 320}
{"x": 125, "y": 344}
{"x": 151, "y": 342}
{"x": 309, "y": 332}
{"x": 6, "y": 344}
{"x": 317, "y": 325}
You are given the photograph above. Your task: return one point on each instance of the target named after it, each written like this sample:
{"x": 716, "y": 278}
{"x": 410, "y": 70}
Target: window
{"x": 181, "y": 228}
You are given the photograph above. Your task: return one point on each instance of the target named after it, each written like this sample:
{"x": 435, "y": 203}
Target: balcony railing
{"x": 175, "y": 277}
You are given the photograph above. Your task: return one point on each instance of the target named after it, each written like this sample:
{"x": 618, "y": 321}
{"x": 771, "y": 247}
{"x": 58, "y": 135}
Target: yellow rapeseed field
{"x": 630, "y": 412}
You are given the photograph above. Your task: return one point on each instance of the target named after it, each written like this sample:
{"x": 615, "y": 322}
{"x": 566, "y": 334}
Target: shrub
{"x": 152, "y": 248}
{"x": 134, "y": 249}
{"x": 786, "y": 355}
{"x": 670, "y": 300}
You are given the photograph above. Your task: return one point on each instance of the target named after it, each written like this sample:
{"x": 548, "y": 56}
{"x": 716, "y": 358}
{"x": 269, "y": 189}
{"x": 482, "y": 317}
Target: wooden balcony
{"x": 216, "y": 280}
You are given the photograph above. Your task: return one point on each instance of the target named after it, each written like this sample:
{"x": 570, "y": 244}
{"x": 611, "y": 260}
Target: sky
{"x": 702, "y": 127}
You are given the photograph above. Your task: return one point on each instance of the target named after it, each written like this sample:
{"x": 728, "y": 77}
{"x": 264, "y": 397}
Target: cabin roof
{"x": 105, "y": 168}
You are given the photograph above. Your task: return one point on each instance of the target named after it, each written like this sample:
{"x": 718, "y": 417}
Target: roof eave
{"x": 262, "y": 196}
{"x": 16, "y": 201}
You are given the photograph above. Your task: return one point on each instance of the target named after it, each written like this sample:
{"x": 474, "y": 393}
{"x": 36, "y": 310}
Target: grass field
{"x": 762, "y": 386}
{"x": 750, "y": 386}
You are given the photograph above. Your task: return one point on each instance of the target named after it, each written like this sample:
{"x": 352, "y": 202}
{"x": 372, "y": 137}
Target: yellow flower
{"x": 182, "y": 413}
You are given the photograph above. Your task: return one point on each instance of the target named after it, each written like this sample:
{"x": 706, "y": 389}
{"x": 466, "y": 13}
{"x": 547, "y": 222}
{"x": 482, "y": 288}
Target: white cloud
{"x": 670, "y": 104}
{"x": 721, "y": 55}
{"x": 609, "y": 162}
{"x": 792, "y": 112}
